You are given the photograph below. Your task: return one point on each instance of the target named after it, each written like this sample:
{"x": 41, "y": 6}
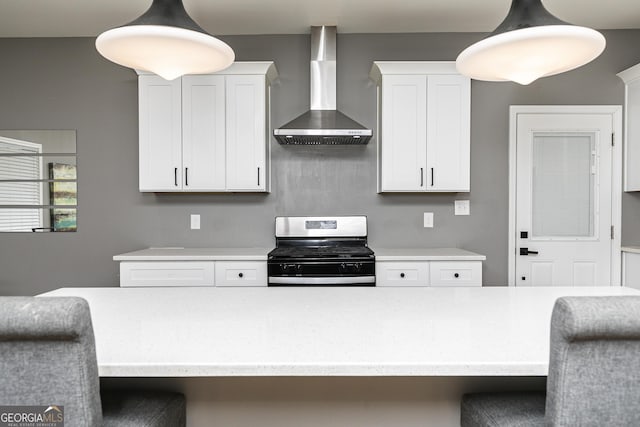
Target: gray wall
{"x": 65, "y": 84}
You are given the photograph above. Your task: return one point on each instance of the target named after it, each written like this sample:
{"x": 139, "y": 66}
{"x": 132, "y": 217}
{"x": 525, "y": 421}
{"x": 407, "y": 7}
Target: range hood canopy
{"x": 323, "y": 124}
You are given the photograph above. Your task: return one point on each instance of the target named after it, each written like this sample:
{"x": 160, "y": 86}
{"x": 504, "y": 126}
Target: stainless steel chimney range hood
{"x": 323, "y": 124}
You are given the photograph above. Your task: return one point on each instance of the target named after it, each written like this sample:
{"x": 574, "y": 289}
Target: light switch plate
{"x": 461, "y": 207}
{"x": 195, "y": 222}
{"x": 428, "y": 219}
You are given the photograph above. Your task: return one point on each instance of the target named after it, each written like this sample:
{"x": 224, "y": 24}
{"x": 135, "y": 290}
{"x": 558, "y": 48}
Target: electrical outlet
{"x": 461, "y": 207}
{"x": 428, "y": 219}
{"x": 195, "y": 222}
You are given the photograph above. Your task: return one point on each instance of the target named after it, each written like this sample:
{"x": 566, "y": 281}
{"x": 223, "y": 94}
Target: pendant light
{"x": 530, "y": 43}
{"x": 166, "y": 41}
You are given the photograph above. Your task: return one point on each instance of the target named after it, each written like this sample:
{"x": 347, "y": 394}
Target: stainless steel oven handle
{"x": 321, "y": 280}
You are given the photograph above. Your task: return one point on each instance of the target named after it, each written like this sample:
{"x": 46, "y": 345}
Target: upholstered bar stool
{"x": 594, "y": 371}
{"x": 48, "y": 357}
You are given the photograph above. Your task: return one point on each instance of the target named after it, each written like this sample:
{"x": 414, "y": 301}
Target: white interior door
{"x": 563, "y": 199}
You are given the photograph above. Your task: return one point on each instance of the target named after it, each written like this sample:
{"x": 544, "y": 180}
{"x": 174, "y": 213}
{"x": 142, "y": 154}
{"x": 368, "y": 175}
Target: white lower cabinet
{"x": 411, "y": 273}
{"x": 169, "y": 273}
{"x": 192, "y": 273}
{"x": 631, "y": 270}
{"x": 429, "y": 273}
{"x": 241, "y": 273}
{"x": 456, "y": 273}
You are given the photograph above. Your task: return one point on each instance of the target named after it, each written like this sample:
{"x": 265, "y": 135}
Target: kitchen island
{"x": 414, "y": 350}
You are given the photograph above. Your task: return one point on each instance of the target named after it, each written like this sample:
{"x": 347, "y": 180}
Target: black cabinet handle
{"x": 432, "y": 177}
{"x": 240, "y": 275}
{"x": 402, "y": 275}
{"x": 456, "y": 275}
{"x": 258, "y": 176}
{"x": 421, "y": 177}
{"x": 186, "y": 176}
{"x": 175, "y": 176}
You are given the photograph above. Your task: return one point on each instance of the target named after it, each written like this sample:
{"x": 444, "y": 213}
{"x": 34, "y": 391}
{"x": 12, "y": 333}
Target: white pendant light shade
{"x": 529, "y": 44}
{"x": 167, "y": 42}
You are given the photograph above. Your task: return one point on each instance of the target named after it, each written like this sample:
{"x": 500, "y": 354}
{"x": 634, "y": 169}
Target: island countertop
{"x": 343, "y": 331}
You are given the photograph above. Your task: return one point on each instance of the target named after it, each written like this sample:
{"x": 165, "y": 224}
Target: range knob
{"x": 291, "y": 268}
{"x": 350, "y": 267}
{"x": 285, "y": 267}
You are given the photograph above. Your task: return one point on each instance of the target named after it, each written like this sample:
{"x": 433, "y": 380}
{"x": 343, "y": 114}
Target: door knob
{"x": 526, "y": 251}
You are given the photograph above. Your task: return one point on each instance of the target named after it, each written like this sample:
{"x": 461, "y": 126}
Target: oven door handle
{"x": 321, "y": 280}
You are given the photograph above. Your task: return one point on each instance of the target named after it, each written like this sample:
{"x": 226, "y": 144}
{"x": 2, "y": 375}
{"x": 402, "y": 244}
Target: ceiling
{"x": 76, "y": 18}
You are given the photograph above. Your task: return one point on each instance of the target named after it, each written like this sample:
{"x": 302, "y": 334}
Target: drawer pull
{"x": 402, "y": 275}
{"x": 456, "y": 275}
{"x": 240, "y": 275}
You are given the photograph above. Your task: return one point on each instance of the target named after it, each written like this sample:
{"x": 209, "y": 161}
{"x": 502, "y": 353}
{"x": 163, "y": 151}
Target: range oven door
{"x": 321, "y": 273}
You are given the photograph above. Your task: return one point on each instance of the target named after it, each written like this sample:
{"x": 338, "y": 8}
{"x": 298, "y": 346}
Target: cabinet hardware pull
{"x": 186, "y": 176}
{"x": 456, "y": 275}
{"x": 421, "y": 177}
{"x": 240, "y": 275}
{"x": 175, "y": 176}
{"x": 258, "y": 176}
{"x": 402, "y": 275}
{"x": 432, "y": 177}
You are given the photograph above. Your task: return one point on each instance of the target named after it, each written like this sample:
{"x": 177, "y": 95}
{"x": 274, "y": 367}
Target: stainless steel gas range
{"x": 321, "y": 251}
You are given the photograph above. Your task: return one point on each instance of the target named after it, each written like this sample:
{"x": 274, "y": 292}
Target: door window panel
{"x": 563, "y": 181}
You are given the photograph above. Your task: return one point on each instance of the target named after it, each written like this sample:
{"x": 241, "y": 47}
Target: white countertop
{"x": 195, "y": 254}
{"x": 426, "y": 254}
{"x": 631, "y": 249}
{"x": 344, "y": 331}
{"x": 260, "y": 254}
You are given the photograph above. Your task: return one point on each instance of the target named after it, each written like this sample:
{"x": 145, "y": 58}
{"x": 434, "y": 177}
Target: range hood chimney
{"x": 323, "y": 124}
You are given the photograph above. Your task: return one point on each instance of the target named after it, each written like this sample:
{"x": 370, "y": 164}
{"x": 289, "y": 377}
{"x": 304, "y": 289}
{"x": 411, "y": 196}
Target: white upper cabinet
{"x": 246, "y": 135}
{"x": 203, "y": 133}
{"x": 631, "y": 78}
{"x": 160, "y": 126}
{"x": 206, "y": 133}
{"x": 423, "y": 127}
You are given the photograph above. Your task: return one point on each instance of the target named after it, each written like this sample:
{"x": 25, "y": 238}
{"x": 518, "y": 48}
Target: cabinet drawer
{"x": 241, "y": 273}
{"x": 402, "y": 274}
{"x": 456, "y": 273}
{"x": 170, "y": 273}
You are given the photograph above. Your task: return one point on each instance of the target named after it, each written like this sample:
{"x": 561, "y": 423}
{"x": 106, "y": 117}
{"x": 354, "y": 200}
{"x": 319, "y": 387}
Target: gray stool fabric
{"x": 594, "y": 371}
{"x": 502, "y": 409}
{"x": 142, "y": 409}
{"x": 48, "y": 357}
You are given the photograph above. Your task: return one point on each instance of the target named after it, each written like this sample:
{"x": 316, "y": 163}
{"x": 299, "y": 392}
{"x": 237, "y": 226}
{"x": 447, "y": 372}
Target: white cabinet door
{"x": 246, "y": 133}
{"x": 456, "y": 273}
{"x": 448, "y": 133}
{"x": 241, "y": 273}
{"x": 406, "y": 273}
{"x": 632, "y": 146}
{"x": 160, "y": 110}
{"x": 404, "y": 136}
{"x": 631, "y": 78}
{"x": 167, "y": 273}
{"x": 424, "y": 121}
{"x": 631, "y": 269}
{"x": 203, "y": 133}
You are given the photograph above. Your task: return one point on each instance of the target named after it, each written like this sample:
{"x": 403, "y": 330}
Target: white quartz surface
{"x": 426, "y": 254}
{"x": 631, "y": 249}
{"x": 345, "y": 331}
{"x": 195, "y": 254}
